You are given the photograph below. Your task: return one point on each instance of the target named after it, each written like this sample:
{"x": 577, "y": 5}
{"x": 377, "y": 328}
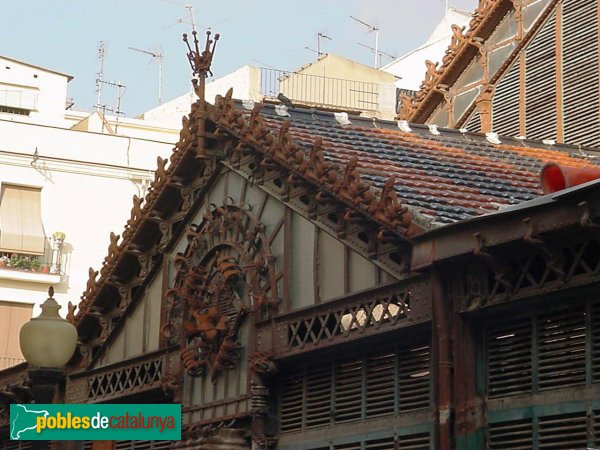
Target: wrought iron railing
{"x": 52, "y": 261}
{"x": 316, "y": 90}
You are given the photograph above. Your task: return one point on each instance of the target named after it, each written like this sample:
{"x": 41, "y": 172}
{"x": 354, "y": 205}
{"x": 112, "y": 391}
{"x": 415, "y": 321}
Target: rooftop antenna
{"x": 192, "y": 15}
{"x": 121, "y": 89}
{"x": 100, "y": 75}
{"x": 319, "y": 36}
{"x": 158, "y": 57}
{"x": 375, "y": 51}
{"x": 311, "y": 50}
{"x": 376, "y": 30}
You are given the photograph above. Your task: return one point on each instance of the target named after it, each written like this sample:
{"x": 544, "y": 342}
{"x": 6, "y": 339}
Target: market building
{"x": 299, "y": 279}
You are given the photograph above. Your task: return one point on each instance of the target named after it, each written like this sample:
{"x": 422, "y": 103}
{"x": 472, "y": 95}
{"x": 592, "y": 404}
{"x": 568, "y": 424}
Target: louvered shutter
{"x": 413, "y": 378}
{"x": 473, "y": 124}
{"x": 563, "y": 432}
{"x": 595, "y": 323}
{"x": 420, "y": 441}
{"x": 348, "y": 389}
{"x": 505, "y": 104}
{"x": 292, "y": 401}
{"x": 379, "y": 384}
{"x": 509, "y": 358}
{"x": 561, "y": 348}
{"x": 581, "y": 99}
{"x": 318, "y": 396}
{"x": 513, "y": 435}
{"x": 540, "y": 83}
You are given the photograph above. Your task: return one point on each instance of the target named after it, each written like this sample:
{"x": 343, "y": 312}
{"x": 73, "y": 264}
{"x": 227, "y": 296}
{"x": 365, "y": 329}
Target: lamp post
{"x": 47, "y": 343}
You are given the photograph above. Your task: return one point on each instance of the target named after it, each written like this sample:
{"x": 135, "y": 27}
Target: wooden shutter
{"x": 509, "y": 358}
{"x": 513, "y": 435}
{"x": 348, "y": 388}
{"x": 540, "y": 83}
{"x": 561, "y": 348}
{"x": 318, "y": 395}
{"x": 473, "y": 124}
{"x": 413, "y": 378}
{"x": 379, "y": 384}
{"x": 506, "y": 101}
{"x": 581, "y": 99}
{"x": 292, "y": 401}
{"x": 563, "y": 432}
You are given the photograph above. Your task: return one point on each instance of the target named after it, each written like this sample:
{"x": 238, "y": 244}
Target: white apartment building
{"x": 67, "y": 179}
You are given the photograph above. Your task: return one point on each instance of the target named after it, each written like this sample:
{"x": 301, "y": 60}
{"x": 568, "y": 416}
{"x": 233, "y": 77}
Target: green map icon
{"x": 24, "y": 418}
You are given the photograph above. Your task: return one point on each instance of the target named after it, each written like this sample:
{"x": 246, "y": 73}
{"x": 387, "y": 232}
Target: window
{"x": 21, "y": 228}
{"x": 12, "y": 317}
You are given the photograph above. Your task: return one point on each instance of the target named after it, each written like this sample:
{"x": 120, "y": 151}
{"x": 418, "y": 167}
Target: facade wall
{"x": 45, "y": 90}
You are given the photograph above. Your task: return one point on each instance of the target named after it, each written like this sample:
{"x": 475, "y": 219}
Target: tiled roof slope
{"x": 443, "y": 178}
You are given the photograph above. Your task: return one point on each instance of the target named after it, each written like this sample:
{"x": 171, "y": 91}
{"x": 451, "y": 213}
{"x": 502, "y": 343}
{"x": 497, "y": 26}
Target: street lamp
{"x": 47, "y": 342}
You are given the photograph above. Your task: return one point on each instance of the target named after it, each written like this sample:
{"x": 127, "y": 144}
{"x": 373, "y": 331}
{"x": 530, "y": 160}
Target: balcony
{"x": 47, "y": 268}
{"x": 318, "y": 91}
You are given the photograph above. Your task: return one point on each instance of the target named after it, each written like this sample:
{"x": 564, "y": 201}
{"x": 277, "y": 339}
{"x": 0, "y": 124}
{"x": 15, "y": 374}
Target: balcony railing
{"x": 316, "y": 90}
{"x": 52, "y": 262}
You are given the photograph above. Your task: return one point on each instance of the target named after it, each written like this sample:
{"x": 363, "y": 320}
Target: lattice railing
{"x": 504, "y": 275}
{"x": 125, "y": 380}
{"x": 385, "y": 311}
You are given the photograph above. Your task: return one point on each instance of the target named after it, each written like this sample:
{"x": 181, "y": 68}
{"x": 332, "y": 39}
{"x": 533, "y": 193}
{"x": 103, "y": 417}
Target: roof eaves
{"x": 484, "y": 18}
{"x": 69, "y": 77}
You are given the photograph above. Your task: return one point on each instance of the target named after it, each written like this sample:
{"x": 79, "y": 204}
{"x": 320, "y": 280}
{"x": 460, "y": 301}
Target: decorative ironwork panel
{"x": 125, "y": 381}
{"x": 384, "y": 311}
{"x": 506, "y": 274}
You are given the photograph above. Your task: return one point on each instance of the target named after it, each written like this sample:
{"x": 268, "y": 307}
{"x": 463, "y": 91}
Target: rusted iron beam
{"x": 547, "y": 214}
{"x": 442, "y": 364}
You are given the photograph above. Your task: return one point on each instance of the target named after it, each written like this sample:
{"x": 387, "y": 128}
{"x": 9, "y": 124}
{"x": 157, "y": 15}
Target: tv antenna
{"x": 374, "y": 50}
{"x": 121, "y": 89}
{"x": 100, "y": 75}
{"x": 158, "y": 57}
{"x": 376, "y": 30}
{"x": 319, "y": 37}
{"x": 190, "y": 19}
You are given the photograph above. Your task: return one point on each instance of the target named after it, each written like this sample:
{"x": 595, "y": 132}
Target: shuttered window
{"x": 505, "y": 104}
{"x": 551, "y": 350}
{"x": 546, "y": 351}
{"x": 21, "y": 228}
{"x": 353, "y": 389}
{"x": 581, "y": 99}
{"x": 513, "y": 435}
{"x": 474, "y": 122}
{"x": 419, "y": 441}
{"x": 540, "y": 84}
{"x": 544, "y": 432}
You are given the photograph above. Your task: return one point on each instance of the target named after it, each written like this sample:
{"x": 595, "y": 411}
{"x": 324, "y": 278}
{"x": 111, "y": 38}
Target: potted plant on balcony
{"x": 59, "y": 236}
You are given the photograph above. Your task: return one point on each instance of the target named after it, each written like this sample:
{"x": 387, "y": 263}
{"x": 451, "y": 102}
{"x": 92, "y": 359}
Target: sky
{"x": 64, "y": 35}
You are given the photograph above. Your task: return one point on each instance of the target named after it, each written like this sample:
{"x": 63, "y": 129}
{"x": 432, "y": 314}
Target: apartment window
{"x": 12, "y": 317}
{"x": 21, "y": 228}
